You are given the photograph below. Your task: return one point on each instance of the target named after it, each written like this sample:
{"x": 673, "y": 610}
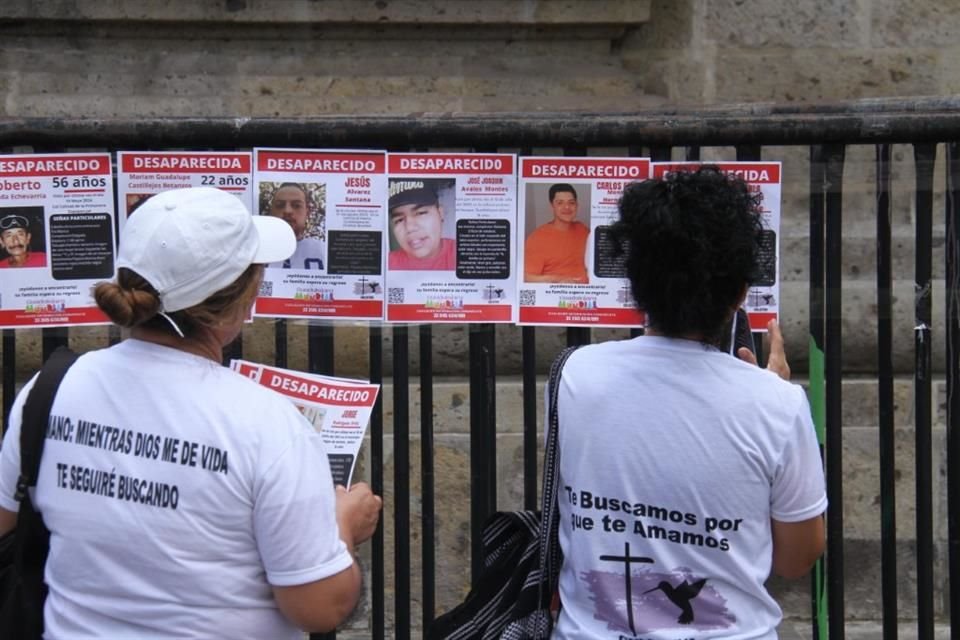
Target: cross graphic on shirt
{"x": 627, "y": 559}
{"x": 363, "y": 284}
{"x": 490, "y": 291}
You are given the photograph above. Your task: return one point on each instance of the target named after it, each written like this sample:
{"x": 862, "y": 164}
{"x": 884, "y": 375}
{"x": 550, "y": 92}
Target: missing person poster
{"x": 334, "y": 202}
{"x": 57, "y": 234}
{"x": 568, "y": 271}
{"x": 763, "y": 178}
{"x": 451, "y": 227}
{"x": 143, "y": 174}
{"x": 338, "y": 409}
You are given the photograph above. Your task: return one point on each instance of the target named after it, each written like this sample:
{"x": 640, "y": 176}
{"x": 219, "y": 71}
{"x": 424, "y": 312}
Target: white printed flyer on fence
{"x": 763, "y": 296}
{"x": 569, "y": 274}
{"x": 334, "y": 201}
{"x": 451, "y": 227}
{"x": 57, "y": 232}
{"x": 338, "y": 409}
{"x": 142, "y": 174}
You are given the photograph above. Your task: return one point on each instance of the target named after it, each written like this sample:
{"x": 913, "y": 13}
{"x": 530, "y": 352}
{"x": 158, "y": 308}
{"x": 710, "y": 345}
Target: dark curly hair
{"x": 692, "y": 244}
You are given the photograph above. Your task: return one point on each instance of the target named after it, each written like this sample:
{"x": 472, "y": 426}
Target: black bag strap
{"x": 36, "y": 415}
{"x": 550, "y": 555}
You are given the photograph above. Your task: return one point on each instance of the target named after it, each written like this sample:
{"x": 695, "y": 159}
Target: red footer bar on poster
{"x": 758, "y": 321}
{"x": 10, "y": 318}
{"x": 288, "y": 307}
{"x": 466, "y": 313}
{"x": 587, "y": 317}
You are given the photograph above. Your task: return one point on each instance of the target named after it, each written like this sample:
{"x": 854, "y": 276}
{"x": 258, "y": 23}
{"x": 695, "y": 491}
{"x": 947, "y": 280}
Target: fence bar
{"x": 834, "y": 386}
{"x": 483, "y": 437}
{"x": 320, "y": 349}
{"x": 320, "y": 360}
{"x": 866, "y": 121}
{"x": 578, "y": 336}
{"x": 9, "y": 374}
{"x": 924, "y": 157}
{"x": 952, "y": 260}
{"x": 818, "y": 178}
{"x": 427, "y": 479}
{"x": 530, "y": 423}
{"x": 280, "y": 342}
{"x": 377, "y": 574}
{"x": 887, "y": 442}
{"x": 53, "y": 338}
{"x": 233, "y": 351}
{"x": 660, "y": 154}
{"x": 401, "y": 481}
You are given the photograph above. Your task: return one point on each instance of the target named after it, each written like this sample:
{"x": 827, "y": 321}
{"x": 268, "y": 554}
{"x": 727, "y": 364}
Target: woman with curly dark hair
{"x": 687, "y": 475}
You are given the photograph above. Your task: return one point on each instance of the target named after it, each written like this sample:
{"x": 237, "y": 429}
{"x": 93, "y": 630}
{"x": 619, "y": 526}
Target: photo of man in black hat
{"x": 15, "y": 236}
{"x": 416, "y": 221}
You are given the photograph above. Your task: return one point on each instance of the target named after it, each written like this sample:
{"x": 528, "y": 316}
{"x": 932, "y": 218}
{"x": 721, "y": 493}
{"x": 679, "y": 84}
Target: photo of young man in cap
{"x": 294, "y": 203}
{"x": 416, "y": 221}
{"x": 15, "y": 237}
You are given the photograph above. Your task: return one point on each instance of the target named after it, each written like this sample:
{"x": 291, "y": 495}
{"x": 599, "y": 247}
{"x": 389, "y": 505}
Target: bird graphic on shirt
{"x": 681, "y": 595}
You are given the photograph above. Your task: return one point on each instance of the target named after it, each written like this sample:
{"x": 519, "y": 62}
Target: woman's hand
{"x": 777, "y": 362}
{"x": 358, "y": 511}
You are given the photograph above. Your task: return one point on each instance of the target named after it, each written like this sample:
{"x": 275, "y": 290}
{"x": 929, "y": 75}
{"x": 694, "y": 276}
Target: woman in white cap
{"x": 184, "y": 500}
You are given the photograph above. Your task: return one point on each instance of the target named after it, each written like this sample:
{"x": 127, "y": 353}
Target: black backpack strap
{"x": 36, "y": 415}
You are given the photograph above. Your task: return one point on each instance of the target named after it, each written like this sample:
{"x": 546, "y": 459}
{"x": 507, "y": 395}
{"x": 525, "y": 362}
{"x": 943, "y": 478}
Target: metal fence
{"x": 826, "y": 131}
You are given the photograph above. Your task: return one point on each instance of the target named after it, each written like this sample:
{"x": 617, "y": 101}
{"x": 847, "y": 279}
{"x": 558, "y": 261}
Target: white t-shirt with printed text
{"x": 674, "y": 458}
{"x": 309, "y": 254}
{"x": 176, "y": 492}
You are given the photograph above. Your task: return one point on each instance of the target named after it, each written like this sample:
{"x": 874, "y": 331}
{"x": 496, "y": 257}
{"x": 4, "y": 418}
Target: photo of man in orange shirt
{"x": 555, "y": 251}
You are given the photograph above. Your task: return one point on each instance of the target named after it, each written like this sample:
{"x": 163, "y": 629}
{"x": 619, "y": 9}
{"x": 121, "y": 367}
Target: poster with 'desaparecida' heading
{"x": 451, "y": 229}
{"x": 334, "y": 202}
{"x": 57, "y": 233}
{"x": 141, "y": 174}
{"x": 569, "y": 274}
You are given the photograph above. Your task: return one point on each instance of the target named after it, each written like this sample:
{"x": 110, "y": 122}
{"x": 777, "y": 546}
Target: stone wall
{"x": 253, "y": 58}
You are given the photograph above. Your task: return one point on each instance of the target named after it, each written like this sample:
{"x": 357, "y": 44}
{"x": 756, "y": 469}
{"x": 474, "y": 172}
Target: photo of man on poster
{"x": 17, "y": 239}
{"x": 301, "y": 205}
{"x": 555, "y": 251}
{"x": 419, "y": 222}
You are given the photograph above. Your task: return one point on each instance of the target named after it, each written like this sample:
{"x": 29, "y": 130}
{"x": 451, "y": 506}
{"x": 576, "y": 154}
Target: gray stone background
{"x": 254, "y": 58}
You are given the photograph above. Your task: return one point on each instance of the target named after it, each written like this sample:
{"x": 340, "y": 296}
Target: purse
{"x": 23, "y": 551}
{"x": 511, "y": 598}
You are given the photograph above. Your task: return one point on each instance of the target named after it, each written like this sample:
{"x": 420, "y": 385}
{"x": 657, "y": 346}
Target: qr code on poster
{"x": 528, "y": 298}
{"x": 266, "y": 288}
{"x": 395, "y": 295}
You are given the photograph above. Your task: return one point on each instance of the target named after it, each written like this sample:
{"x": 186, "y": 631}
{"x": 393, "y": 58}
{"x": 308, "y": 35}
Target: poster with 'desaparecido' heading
{"x": 334, "y": 202}
{"x": 57, "y": 234}
{"x": 451, "y": 229}
{"x": 568, "y": 273}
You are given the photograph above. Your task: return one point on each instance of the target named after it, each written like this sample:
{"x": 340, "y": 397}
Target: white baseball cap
{"x": 190, "y": 243}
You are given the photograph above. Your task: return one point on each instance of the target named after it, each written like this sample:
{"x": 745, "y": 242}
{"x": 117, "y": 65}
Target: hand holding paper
{"x": 358, "y": 511}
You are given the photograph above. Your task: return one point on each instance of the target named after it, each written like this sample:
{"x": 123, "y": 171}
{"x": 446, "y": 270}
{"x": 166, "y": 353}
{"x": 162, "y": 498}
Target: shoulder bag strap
{"x": 32, "y": 539}
{"x": 36, "y": 414}
{"x": 550, "y": 556}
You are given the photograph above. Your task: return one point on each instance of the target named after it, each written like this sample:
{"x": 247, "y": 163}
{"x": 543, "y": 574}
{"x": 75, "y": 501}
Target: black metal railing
{"x": 826, "y": 131}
